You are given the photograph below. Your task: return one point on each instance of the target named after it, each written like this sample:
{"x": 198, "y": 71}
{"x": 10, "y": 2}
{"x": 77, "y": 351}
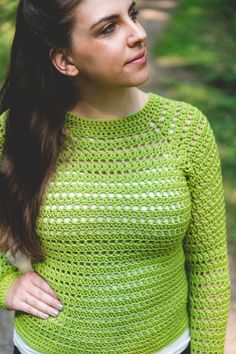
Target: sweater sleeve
{"x": 8, "y": 273}
{"x": 205, "y": 244}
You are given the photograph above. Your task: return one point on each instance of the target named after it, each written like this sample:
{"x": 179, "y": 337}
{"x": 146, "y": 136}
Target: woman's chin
{"x": 139, "y": 78}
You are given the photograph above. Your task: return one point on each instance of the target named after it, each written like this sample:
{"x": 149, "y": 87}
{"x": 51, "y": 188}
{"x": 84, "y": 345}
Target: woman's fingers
{"x": 43, "y": 296}
{"x": 40, "y": 305}
{"x": 31, "y": 294}
{"x": 41, "y": 284}
{"x": 24, "y": 307}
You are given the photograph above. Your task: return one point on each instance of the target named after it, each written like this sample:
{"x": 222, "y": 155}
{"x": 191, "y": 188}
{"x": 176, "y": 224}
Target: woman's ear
{"x": 63, "y": 62}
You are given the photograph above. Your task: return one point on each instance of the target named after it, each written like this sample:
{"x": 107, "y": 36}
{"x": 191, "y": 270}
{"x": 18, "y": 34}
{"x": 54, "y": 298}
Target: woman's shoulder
{"x": 181, "y": 108}
{"x": 180, "y": 116}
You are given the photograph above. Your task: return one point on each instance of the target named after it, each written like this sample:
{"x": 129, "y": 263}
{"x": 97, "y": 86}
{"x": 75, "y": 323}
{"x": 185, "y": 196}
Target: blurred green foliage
{"x": 201, "y": 39}
{"x": 8, "y": 9}
{"x": 7, "y": 18}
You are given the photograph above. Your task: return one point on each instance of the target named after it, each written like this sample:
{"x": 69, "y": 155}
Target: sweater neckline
{"x": 133, "y": 123}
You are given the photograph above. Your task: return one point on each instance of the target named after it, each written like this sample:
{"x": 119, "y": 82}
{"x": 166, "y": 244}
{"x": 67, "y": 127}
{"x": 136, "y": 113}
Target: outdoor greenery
{"x": 200, "y": 39}
{"x": 7, "y": 11}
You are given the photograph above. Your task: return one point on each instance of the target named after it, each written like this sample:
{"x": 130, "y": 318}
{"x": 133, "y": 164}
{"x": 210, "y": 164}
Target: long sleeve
{"x": 205, "y": 242}
{"x": 8, "y": 273}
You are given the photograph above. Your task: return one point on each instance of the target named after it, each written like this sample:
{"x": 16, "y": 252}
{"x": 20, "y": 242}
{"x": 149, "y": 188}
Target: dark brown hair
{"x": 36, "y": 97}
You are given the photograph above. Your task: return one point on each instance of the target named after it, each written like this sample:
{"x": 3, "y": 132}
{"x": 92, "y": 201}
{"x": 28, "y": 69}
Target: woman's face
{"x": 106, "y": 36}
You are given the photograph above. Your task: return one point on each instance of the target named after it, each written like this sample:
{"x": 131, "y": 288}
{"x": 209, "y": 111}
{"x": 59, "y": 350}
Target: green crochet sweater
{"x": 133, "y": 225}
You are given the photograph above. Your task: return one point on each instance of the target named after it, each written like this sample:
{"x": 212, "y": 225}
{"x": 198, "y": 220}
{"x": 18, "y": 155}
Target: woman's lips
{"x": 142, "y": 59}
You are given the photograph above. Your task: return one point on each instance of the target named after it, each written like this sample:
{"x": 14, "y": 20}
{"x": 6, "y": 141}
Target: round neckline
{"x": 70, "y": 114}
{"x": 114, "y": 127}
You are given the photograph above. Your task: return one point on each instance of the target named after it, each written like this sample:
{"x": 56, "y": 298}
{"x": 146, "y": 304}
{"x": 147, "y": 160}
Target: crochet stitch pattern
{"x": 133, "y": 224}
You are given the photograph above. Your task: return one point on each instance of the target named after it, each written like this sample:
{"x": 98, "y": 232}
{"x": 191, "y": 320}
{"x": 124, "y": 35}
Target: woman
{"x": 114, "y": 194}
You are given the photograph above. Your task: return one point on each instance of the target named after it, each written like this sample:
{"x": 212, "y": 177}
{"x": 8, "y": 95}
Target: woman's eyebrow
{"x": 111, "y": 17}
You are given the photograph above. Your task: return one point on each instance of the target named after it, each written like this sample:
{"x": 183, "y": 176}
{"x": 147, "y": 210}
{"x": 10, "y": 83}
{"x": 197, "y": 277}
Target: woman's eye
{"x": 111, "y": 27}
{"x": 134, "y": 14}
{"x": 108, "y": 29}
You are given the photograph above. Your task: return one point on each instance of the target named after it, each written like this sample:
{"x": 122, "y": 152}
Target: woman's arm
{"x": 26, "y": 292}
{"x": 8, "y": 274}
{"x": 31, "y": 294}
{"x": 205, "y": 242}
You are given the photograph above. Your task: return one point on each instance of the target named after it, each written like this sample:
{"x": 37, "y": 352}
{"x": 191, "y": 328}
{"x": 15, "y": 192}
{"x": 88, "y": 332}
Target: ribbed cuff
{"x": 5, "y": 285}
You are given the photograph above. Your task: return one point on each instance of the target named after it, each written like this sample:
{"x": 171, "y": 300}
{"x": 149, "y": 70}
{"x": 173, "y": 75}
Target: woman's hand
{"x": 31, "y": 294}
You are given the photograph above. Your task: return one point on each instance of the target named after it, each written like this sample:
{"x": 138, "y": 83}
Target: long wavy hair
{"x": 35, "y": 96}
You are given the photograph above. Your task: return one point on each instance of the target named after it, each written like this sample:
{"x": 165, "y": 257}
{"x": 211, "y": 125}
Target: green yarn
{"x": 133, "y": 224}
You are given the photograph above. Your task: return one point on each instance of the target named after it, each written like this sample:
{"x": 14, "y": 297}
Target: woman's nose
{"x": 137, "y": 35}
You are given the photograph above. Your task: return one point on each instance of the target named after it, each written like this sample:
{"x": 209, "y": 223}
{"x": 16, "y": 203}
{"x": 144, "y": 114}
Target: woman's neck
{"x": 110, "y": 105}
